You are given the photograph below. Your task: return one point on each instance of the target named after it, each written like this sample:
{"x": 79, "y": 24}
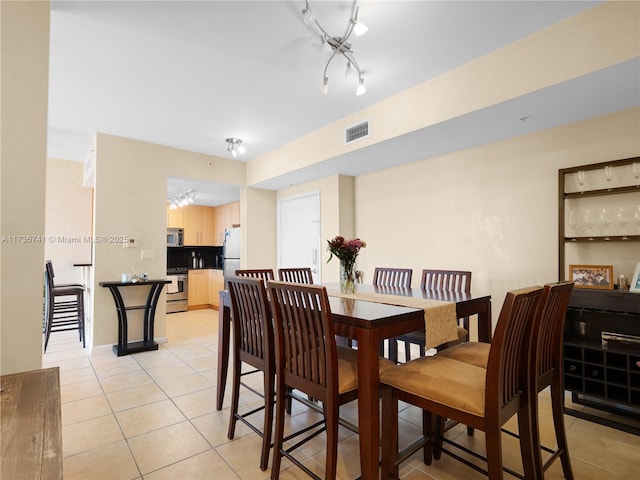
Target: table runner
{"x": 441, "y": 324}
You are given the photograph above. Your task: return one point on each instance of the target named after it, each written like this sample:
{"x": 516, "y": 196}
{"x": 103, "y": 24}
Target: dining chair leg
{"x": 493, "y": 439}
{"x": 269, "y": 392}
{"x": 235, "y": 394}
{"x": 428, "y": 429}
{"x": 557, "y": 404}
{"x": 81, "y": 320}
{"x": 529, "y": 436}
{"x": 331, "y": 417}
{"x": 436, "y": 426}
{"x": 281, "y": 399}
{"x": 288, "y": 401}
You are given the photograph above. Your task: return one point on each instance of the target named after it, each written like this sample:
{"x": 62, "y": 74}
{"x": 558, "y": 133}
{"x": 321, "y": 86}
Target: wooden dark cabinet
{"x": 589, "y": 231}
{"x": 603, "y": 376}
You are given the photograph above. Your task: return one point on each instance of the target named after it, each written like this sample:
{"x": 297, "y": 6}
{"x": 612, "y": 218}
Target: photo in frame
{"x": 592, "y": 276}
{"x": 635, "y": 280}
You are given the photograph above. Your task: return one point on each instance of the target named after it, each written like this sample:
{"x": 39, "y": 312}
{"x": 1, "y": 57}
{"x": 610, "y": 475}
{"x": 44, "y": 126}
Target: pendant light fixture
{"x": 234, "y": 146}
{"x": 339, "y": 46}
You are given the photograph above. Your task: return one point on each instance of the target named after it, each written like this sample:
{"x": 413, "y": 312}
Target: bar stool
{"x": 64, "y": 307}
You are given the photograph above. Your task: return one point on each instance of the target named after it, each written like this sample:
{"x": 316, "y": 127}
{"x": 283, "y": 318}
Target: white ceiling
{"x": 190, "y": 74}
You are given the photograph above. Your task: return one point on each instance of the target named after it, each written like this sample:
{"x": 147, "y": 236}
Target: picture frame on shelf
{"x": 635, "y": 280}
{"x": 592, "y": 276}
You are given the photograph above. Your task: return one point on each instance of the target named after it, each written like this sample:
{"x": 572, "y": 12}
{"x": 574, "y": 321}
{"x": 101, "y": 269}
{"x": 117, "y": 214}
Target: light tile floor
{"x": 152, "y": 416}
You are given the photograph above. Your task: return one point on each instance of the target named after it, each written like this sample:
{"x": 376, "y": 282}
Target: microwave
{"x": 175, "y": 237}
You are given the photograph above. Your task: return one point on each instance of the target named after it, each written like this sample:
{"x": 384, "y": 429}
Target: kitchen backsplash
{"x": 182, "y": 257}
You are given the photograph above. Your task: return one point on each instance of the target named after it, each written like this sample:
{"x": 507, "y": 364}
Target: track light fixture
{"x": 182, "y": 200}
{"x": 234, "y": 146}
{"x": 339, "y": 46}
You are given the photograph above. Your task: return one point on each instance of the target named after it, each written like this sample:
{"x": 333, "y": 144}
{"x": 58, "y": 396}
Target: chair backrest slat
{"x": 295, "y": 275}
{"x": 446, "y": 280}
{"x": 392, "y": 277}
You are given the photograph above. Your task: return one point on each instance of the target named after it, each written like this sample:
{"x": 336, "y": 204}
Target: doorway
{"x": 299, "y": 232}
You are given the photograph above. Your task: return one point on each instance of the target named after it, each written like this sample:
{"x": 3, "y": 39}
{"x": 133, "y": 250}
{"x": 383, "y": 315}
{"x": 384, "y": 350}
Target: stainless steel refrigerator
{"x": 231, "y": 251}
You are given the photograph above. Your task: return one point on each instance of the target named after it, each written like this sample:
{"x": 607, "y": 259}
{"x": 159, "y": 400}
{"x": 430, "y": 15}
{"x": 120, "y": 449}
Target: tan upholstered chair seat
{"x": 348, "y": 368}
{"x": 475, "y": 353}
{"x": 443, "y": 380}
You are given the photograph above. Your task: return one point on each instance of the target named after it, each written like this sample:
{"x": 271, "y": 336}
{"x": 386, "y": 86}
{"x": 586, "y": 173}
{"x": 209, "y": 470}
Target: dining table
{"x": 369, "y": 322}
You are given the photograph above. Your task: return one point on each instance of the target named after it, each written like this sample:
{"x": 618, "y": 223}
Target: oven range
{"x": 177, "y": 290}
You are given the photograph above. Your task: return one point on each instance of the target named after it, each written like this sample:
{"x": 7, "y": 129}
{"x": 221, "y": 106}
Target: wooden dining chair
{"x": 308, "y": 360}
{"x": 545, "y": 369}
{"x": 392, "y": 277}
{"x": 389, "y": 279}
{"x": 63, "y": 307}
{"x": 295, "y": 275}
{"x": 482, "y": 398}
{"x": 441, "y": 281}
{"x": 253, "y": 340}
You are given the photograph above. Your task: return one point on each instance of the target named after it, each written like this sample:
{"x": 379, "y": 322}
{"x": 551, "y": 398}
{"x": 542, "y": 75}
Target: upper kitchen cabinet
{"x": 226, "y": 216}
{"x": 199, "y": 226}
{"x": 175, "y": 218}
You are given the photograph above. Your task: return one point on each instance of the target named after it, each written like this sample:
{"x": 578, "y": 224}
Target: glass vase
{"x": 347, "y": 278}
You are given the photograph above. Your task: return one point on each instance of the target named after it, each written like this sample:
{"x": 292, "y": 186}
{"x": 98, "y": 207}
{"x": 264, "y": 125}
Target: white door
{"x": 299, "y": 232}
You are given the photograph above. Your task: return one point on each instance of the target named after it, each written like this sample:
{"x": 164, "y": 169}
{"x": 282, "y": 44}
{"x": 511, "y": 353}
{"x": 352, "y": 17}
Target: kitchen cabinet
{"x": 198, "y": 226}
{"x": 175, "y": 218}
{"x": 226, "y": 216}
{"x": 198, "y": 289}
{"x": 216, "y": 283}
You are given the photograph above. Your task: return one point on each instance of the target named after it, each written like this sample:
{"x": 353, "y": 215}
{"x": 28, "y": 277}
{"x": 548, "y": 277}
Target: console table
{"x": 603, "y": 376}
{"x": 124, "y": 347}
{"x": 31, "y": 425}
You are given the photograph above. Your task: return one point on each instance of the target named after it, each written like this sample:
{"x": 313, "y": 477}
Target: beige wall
{"x": 24, "y": 40}
{"x": 491, "y": 209}
{"x": 130, "y": 200}
{"x": 258, "y": 221}
{"x": 68, "y": 214}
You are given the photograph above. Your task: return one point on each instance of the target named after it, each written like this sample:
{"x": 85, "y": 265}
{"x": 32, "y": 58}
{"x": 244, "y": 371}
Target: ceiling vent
{"x": 356, "y": 132}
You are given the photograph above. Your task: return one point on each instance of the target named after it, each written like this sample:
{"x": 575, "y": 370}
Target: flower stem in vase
{"x": 347, "y": 278}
